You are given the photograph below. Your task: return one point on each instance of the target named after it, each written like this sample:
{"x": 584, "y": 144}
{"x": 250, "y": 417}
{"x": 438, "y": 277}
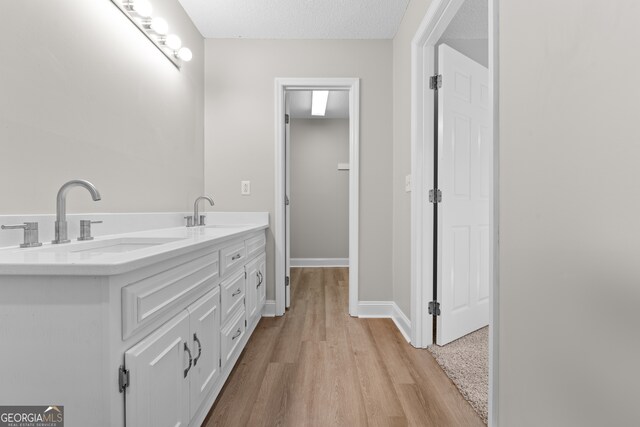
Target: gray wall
{"x": 319, "y": 191}
{"x": 569, "y": 209}
{"x": 83, "y": 94}
{"x": 240, "y": 134}
{"x": 402, "y": 153}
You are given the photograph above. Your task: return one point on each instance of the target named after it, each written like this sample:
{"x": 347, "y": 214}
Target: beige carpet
{"x": 466, "y": 362}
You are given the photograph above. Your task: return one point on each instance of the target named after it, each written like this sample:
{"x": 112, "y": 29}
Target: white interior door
{"x": 287, "y": 208}
{"x": 464, "y": 156}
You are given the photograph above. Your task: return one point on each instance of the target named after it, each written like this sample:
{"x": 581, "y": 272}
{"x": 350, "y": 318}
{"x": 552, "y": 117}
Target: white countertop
{"x": 130, "y": 251}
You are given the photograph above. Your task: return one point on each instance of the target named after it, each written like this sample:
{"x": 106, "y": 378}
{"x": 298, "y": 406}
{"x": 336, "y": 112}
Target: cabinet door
{"x": 204, "y": 318}
{"x": 262, "y": 283}
{"x": 252, "y": 289}
{"x": 159, "y": 391}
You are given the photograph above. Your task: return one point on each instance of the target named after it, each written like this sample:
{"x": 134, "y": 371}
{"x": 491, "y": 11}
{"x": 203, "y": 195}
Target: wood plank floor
{"x": 317, "y": 366}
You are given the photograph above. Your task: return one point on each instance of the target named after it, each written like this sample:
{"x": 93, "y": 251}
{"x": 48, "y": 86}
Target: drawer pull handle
{"x": 195, "y": 338}
{"x": 186, "y": 348}
{"x": 236, "y": 335}
{"x": 238, "y": 292}
{"x": 259, "y": 276}
{"x": 235, "y": 257}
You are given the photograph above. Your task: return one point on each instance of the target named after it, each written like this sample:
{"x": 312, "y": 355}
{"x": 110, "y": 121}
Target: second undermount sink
{"x": 114, "y": 246}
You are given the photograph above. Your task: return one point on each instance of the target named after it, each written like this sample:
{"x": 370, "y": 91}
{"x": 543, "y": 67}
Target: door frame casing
{"x": 438, "y": 17}
{"x": 352, "y": 85}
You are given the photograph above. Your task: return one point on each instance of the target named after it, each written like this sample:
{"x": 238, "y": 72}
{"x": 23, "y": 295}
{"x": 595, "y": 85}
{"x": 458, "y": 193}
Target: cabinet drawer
{"x": 232, "y": 335}
{"x": 255, "y": 245}
{"x": 232, "y": 256}
{"x": 164, "y": 292}
{"x": 233, "y": 290}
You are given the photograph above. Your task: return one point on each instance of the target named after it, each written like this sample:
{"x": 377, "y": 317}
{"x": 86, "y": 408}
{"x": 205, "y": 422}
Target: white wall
{"x": 83, "y": 94}
{"x": 319, "y": 191}
{"x": 240, "y": 134}
{"x": 569, "y": 208}
{"x": 402, "y": 152}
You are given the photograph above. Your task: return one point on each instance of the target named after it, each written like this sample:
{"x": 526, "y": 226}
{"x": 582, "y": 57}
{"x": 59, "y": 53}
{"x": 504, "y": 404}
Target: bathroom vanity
{"x": 138, "y": 329}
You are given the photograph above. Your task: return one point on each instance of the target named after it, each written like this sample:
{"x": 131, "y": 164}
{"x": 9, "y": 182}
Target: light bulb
{"x": 173, "y": 42}
{"x": 142, "y": 8}
{"x": 159, "y": 25}
{"x": 185, "y": 54}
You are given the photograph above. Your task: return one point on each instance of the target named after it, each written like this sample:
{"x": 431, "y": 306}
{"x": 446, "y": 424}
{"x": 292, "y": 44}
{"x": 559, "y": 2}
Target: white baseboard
{"x": 387, "y": 310}
{"x": 319, "y": 262}
{"x": 375, "y": 309}
{"x": 402, "y": 322}
{"x": 269, "y": 309}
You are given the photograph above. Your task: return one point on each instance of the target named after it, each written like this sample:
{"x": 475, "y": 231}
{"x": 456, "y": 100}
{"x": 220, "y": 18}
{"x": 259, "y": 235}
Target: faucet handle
{"x": 203, "y": 220}
{"x": 190, "y": 221}
{"x": 85, "y": 229}
{"x": 30, "y": 233}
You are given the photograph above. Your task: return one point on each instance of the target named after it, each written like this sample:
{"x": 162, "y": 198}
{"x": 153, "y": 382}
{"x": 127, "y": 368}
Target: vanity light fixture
{"x": 185, "y": 54}
{"x": 141, "y": 7}
{"x": 319, "y": 102}
{"x": 159, "y": 26}
{"x": 156, "y": 29}
{"x": 173, "y": 42}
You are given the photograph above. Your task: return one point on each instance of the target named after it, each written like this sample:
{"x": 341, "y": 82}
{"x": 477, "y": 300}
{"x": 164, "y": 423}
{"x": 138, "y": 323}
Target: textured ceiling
{"x": 296, "y": 19}
{"x": 471, "y": 21}
{"x": 337, "y": 105}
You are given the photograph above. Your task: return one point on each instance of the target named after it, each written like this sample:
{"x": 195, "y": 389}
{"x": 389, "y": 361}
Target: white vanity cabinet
{"x": 175, "y": 367}
{"x": 262, "y": 283}
{"x": 146, "y": 344}
{"x": 158, "y": 388}
{"x": 256, "y": 287}
{"x": 204, "y": 322}
{"x": 175, "y": 373}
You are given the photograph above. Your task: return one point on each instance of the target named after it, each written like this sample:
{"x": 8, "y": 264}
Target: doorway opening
{"x": 289, "y": 93}
{"x": 454, "y": 226}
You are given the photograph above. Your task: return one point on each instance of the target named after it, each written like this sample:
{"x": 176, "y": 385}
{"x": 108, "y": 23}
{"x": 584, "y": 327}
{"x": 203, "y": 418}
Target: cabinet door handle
{"x": 186, "y": 348}
{"x": 235, "y": 257}
{"x": 238, "y": 292}
{"x": 259, "y": 279}
{"x": 236, "y": 335}
{"x": 195, "y": 338}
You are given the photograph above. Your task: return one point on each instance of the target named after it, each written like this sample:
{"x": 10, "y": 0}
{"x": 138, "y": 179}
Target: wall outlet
{"x": 407, "y": 183}
{"x": 245, "y": 188}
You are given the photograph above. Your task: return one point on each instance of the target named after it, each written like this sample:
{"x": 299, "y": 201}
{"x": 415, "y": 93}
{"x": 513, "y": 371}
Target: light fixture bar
{"x": 319, "y": 102}
{"x": 146, "y": 25}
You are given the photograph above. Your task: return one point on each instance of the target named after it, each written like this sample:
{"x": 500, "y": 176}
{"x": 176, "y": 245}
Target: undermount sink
{"x": 224, "y": 226}
{"x": 113, "y": 246}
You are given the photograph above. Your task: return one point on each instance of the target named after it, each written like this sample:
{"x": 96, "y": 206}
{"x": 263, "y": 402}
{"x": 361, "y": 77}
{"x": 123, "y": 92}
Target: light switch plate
{"x": 245, "y": 188}
{"x": 407, "y": 183}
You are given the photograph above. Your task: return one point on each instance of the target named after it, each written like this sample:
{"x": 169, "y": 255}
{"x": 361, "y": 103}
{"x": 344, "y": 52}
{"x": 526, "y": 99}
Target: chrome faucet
{"x": 198, "y": 219}
{"x": 61, "y": 207}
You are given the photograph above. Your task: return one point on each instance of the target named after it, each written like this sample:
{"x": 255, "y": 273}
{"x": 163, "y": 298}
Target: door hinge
{"x": 434, "y": 308}
{"x": 220, "y": 362}
{"x": 286, "y": 200}
{"x": 286, "y": 118}
{"x": 286, "y": 281}
{"x": 435, "y": 82}
{"x": 245, "y": 274}
{"x": 435, "y": 196}
{"x": 123, "y": 378}
{"x": 245, "y": 323}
